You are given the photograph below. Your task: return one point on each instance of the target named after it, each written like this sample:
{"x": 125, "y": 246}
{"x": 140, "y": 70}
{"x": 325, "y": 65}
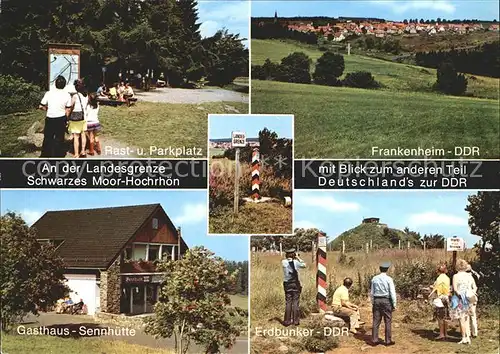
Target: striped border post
{"x": 255, "y": 174}
{"x": 321, "y": 272}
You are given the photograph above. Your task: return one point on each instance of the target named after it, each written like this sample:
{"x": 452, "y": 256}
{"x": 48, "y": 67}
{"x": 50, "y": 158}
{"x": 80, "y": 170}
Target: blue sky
{"x": 387, "y": 9}
{"x": 221, "y": 126}
{"x": 187, "y": 209}
{"x": 424, "y": 212}
{"x": 232, "y": 15}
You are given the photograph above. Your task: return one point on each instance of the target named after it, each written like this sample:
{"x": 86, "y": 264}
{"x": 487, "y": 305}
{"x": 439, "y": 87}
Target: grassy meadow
{"x": 405, "y": 112}
{"x": 140, "y": 126}
{"x": 17, "y": 344}
{"x": 413, "y": 328}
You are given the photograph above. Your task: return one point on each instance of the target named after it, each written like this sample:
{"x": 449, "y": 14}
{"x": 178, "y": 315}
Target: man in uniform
{"x": 383, "y": 296}
{"x": 291, "y": 284}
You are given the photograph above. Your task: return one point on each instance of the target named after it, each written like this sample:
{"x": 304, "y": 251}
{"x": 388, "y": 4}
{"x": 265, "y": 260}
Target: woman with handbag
{"x": 77, "y": 123}
{"x": 462, "y": 282}
{"x": 472, "y": 297}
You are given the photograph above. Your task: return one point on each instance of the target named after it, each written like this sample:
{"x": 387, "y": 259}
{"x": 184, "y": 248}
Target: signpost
{"x": 455, "y": 244}
{"x": 63, "y": 60}
{"x": 238, "y": 139}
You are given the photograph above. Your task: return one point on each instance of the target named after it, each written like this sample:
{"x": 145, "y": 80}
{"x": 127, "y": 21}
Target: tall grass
{"x": 267, "y": 296}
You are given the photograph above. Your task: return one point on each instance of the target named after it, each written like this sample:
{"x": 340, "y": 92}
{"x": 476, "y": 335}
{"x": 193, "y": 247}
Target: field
{"x": 141, "y": 126}
{"x": 404, "y": 113}
{"x": 413, "y": 328}
{"x": 17, "y": 344}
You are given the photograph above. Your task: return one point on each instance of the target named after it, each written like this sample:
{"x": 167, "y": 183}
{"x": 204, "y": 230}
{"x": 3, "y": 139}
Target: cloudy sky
{"x": 187, "y": 209}
{"x": 232, "y": 15}
{"x": 387, "y": 9}
{"x": 424, "y": 212}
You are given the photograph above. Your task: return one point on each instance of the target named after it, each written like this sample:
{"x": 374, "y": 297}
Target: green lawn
{"x": 394, "y": 76}
{"x": 261, "y": 218}
{"x": 17, "y": 344}
{"x": 339, "y": 122}
{"x": 240, "y": 301}
{"x": 333, "y": 122}
{"x": 143, "y": 125}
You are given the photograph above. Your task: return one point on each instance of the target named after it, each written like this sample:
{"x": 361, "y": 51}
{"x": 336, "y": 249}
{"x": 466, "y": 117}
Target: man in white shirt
{"x": 57, "y": 103}
{"x": 383, "y": 297}
{"x": 292, "y": 287}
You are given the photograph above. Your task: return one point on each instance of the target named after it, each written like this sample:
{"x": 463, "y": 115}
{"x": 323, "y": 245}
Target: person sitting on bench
{"x": 102, "y": 91}
{"x": 128, "y": 93}
{"x": 113, "y": 92}
{"x": 342, "y": 307}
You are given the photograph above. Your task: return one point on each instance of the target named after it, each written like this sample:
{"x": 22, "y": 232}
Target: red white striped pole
{"x": 255, "y": 174}
{"x": 321, "y": 272}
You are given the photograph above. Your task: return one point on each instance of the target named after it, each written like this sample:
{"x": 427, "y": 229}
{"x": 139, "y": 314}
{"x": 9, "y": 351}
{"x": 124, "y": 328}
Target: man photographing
{"x": 291, "y": 284}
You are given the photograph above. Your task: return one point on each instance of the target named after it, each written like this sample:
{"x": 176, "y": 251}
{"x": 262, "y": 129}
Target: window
{"x": 154, "y": 253}
{"x": 155, "y": 224}
{"x": 139, "y": 252}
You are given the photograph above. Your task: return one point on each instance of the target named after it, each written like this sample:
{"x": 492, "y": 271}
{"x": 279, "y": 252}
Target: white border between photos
{"x": 208, "y": 172}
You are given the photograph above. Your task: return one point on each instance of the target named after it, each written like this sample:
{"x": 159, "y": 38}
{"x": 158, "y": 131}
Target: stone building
{"x": 110, "y": 254}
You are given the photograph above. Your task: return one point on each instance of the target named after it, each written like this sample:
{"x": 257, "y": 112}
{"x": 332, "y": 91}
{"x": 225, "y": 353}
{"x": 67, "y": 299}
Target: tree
{"x": 267, "y": 140}
{"x": 360, "y": 79}
{"x": 329, "y": 67}
{"x": 484, "y": 221}
{"x": 196, "y": 292}
{"x": 295, "y": 68}
{"x": 449, "y": 81}
{"x": 433, "y": 241}
{"x": 31, "y": 273}
{"x": 226, "y": 58}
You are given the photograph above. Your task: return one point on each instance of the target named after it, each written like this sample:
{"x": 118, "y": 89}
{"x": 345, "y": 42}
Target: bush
{"x": 409, "y": 275}
{"x": 258, "y": 72}
{"x": 318, "y": 342}
{"x": 329, "y": 67}
{"x": 295, "y": 68}
{"x": 17, "y": 95}
{"x": 361, "y": 79}
{"x": 449, "y": 81}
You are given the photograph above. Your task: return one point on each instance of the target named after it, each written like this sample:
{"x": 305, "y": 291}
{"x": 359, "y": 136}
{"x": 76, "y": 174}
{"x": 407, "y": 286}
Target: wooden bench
{"x": 116, "y": 103}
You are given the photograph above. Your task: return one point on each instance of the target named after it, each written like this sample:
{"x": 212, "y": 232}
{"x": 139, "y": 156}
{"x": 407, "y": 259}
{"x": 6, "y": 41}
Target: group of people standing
{"x": 456, "y": 300}
{"x": 75, "y": 113}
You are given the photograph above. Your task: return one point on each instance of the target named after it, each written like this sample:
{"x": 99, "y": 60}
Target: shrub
{"x": 409, "y": 275}
{"x": 329, "y": 67}
{"x": 361, "y": 79}
{"x": 17, "y": 95}
{"x": 271, "y": 70}
{"x": 295, "y": 68}
{"x": 318, "y": 342}
{"x": 258, "y": 72}
{"x": 449, "y": 81}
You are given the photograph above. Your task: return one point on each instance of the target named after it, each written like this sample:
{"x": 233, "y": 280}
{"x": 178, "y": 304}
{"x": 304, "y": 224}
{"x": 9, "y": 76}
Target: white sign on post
{"x": 238, "y": 139}
{"x": 322, "y": 241}
{"x": 455, "y": 244}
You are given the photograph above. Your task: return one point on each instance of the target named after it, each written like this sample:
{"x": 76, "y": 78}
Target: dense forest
{"x": 482, "y": 60}
{"x": 278, "y": 31}
{"x": 160, "y": 36}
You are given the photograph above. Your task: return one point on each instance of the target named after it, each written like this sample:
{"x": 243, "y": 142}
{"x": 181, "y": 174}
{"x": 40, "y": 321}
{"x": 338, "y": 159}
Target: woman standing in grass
{"x": 93, "y": 124}
{"x": 77, "y": 122}
{"x": 462, "y": 282}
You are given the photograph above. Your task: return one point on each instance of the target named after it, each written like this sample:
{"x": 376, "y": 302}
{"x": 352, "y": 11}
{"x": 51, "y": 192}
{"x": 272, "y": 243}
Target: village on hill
{"x": 342, "y": 28}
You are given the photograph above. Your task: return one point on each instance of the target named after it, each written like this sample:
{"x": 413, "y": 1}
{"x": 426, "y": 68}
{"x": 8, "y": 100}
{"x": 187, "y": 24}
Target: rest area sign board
{"x": 455, "y": 244}
{"x": 238, "y": 139}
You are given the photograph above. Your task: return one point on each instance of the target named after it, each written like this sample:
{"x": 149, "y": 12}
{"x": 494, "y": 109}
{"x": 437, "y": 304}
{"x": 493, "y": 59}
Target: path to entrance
{"x": 140, "y": 338}
{"x": 193, "y": 96}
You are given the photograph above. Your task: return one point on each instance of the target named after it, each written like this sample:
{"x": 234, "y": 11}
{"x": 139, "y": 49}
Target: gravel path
{"x": 194, "y": 96}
